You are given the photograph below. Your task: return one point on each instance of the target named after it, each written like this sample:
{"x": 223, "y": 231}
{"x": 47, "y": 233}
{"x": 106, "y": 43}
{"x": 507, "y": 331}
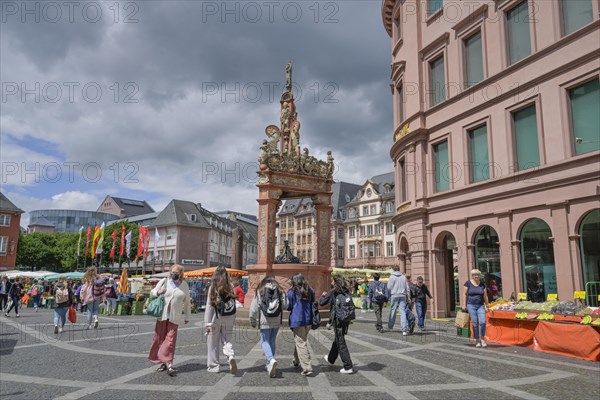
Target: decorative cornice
{"x": 441, "y": 41}
{"x": 477, "y": 15}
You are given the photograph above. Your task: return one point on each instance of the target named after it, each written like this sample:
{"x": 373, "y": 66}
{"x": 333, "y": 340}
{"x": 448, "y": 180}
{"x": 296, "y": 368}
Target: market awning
{"x": 205, "y": 272}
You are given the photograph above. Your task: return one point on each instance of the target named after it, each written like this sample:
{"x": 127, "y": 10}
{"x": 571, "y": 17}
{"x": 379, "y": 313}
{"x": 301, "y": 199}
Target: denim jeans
{"x": 410, "y": 317}
{"x": 268, "y": 338}
{"x": 421, "y": 312}
{"x": 398, "y": 301}
{"x": 60, "y": 316}
{"x": 111, "y": 306}
{"x": 36, "y": 300}
{"x": 92, "y": 310}
{"x": 477, "y": 315}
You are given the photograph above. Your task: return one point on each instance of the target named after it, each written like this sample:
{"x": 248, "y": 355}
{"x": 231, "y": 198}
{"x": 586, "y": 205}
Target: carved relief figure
{"x": 295, "y": 138}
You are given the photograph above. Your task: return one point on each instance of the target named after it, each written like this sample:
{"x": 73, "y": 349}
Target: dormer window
{"x": 193, "y": 217}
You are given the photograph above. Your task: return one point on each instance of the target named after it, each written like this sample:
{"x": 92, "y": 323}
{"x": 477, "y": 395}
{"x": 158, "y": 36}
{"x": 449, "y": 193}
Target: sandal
{"x": 163, "y": 367}
{"x": 171, "y": 371}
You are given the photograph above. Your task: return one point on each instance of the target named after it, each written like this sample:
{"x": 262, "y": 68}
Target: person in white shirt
{"x": 177, "y": 299}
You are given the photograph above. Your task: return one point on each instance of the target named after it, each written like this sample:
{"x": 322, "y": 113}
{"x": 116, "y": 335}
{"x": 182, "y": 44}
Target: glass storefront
{"x": 487, "y": 259}
{"x": 537, "y": 260}
{"x": 589, "y": 247}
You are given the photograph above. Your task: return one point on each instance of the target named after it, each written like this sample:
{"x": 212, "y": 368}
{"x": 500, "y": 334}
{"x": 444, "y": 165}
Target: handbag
{"x": 72, "y": 315}
{"x": 156, "y": 305}
{"x": 462, "y": 319}
{"x": 316, "y": 317}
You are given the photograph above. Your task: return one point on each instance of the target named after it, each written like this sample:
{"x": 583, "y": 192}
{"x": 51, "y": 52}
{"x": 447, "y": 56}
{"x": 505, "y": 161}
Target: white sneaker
{"x": 96, "y": 323}
{"x": 60, "y": 330}
{"x": 362, "y": 311}
{"x": 346, "y": 371}
{"x": 327, "y": 361}
{"x": 483, "y": 343}
{"x": 89, "y": 326}
{"x": 404, "y": 334}
{"x": 478, "y": 344}
{"x": 272, "y": 368}
{"x": 214, "y": 369}
{"x": 232, "y": 366}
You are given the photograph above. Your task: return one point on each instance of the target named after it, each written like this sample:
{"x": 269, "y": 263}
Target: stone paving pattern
{"x": 110, "y": 363}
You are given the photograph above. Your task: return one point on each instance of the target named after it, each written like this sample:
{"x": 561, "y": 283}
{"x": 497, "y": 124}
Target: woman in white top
{"x": 177, "y": 299}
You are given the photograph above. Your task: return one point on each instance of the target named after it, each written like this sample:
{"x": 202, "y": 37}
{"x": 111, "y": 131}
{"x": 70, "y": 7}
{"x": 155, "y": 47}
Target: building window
{"x": 537, "y": 260}
{"x": 396, "y": 28}
{"x": 341, "y": 233}
{"x": 369, "y": 230}
{"x": 3, "y": 244}
{"x": 589, "y": 237}
{"x": 403, "y": 181}
{"x": 362, "y": 231}
{"x": 373, "y": 209}
{"x": 351, "y": 213}
{"x": 526, "y": 138}
{"x": 365, "y": 210}
{"x": 478, "y": 153}
{"x": 400, "y": 89}
{"x": 433, "y": 6}
{"x": 473, "y": 59}
{"x": 377, "y": 249}
{"x": 4, "y": 220}
{"x": 377, "y": 229}
{"x": 352, "y": 251}
{"x": 389, "y": 248}
{"x": 371, "y": 249}
{"x": 437, "y": 81}
{"x": 441, "y": 163}
{"x": 340, "y": 252}
{"x": 519, "y": 42}
{"x": 576, "y": 14}
{"x": 389, "y": 207}
{"x": 309, "y": 254}
{"x": 352, "y": 232}
{"x": 585, "y": 118}
{"x": 389, "y": 228}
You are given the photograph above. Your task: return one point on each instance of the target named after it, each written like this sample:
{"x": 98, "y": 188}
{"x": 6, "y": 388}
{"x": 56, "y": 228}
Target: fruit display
{"x": 567, "y": 308}
{"x": 545, "y": 317}
{"x": 586, "y": 320}
{"x": 545, "y": 306}
{"x": 521, "y": 315}
{"x": 584, "y": 312}
{"x": 596, "y": 322}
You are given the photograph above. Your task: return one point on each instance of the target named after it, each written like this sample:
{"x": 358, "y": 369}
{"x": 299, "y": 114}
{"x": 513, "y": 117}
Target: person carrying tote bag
{"x": 176, "y": 299}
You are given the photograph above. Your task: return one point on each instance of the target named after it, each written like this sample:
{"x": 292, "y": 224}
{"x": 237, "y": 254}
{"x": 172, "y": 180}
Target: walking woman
{"x": 63, "y": 296}
{"x": 36, "y": 294}
{"x": 477, "y": 303}
{"x": 91, "y": 295}
{"x": 219, "y": 319}
{"x": 177, "y": 299}
{"x": 300, "y": 298}
{"x": 14, "y": 293}
{"x": 338, "y": 347}
{"x": 268, "y": 304}
{"x": 4, "y": 286}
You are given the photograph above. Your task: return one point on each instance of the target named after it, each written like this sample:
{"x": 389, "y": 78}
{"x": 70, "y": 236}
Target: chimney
{"x": 233, "y": 217}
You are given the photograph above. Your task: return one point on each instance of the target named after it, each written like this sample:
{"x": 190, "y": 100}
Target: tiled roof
{"x": 7, "y": 206}
{"x": 133, "y": 207}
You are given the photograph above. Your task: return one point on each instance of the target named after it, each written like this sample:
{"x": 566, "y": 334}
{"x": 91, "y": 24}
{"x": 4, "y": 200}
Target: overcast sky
{"x": 155, "y": 100}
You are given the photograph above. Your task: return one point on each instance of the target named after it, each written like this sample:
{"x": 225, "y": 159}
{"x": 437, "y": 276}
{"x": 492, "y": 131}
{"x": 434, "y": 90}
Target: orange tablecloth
{"x": 560, "y": 337}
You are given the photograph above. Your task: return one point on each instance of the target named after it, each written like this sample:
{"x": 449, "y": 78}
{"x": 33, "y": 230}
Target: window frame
{"x": 532, "y": 101}
{"x": 3, "y": 218}
{"x": 566, "y": 106}
{"x": 432, "y": 144}
{"x": 437, "y": 48}
{"x": 505, "y": 8}
{"x": 561, "y": 18}
{"x": 3, "y": 245}
{"x": 487, "y": 121}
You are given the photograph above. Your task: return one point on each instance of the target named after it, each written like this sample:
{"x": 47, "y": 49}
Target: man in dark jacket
{"x": 378, "y": 296}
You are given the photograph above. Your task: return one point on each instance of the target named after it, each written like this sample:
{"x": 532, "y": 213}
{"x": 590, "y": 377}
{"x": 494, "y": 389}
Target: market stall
{"x": 567, "y": 328}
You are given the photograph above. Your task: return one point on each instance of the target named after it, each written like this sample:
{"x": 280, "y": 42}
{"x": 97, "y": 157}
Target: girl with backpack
{"x": 219, "y": 319}
{"x": 300, "y": 298}
{"x": 91, "y": 295}
{"x": 268, "y": 304}
{"x": 176, "y": 299}
{"x": 110, "y": 293}
{"x": 342, "y": 309}
{"x": 63, "y": 296}
{"x": 36, "y": 294}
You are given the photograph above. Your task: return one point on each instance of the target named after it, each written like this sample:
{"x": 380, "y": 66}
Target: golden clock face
{"x": 271, "y": 130}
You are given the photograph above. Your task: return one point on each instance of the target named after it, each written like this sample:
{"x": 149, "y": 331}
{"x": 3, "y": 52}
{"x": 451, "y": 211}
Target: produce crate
{"x": 137, "y": 307}
{"x": 464, "y": 332}
{"x": 122, "y": 308}
{"x": 30, "y": 303}
{"x": 49, "y": 303}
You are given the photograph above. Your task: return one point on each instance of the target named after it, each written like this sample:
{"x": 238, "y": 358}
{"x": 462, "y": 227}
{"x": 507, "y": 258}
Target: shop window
{"x": 537, "y": 260}
{"x": 487, "y": 259}
{"x": 526, "y": 138}
{"x": 589, "y": 238}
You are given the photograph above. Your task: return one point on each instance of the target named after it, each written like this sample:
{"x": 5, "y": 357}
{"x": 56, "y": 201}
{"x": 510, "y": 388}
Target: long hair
{"x": 221, "y": 286}
{"x": 261, "y": 288}
{"x": 90, "y": 275}
{"x": 340, "y": 285}
{"x": 300, "y": 286}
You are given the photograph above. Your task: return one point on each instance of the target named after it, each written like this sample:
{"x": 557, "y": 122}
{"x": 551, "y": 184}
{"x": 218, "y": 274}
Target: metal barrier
{"x": 592, "y": 291}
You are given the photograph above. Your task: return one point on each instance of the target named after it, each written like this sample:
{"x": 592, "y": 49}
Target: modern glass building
{"x": 71, "y": 220}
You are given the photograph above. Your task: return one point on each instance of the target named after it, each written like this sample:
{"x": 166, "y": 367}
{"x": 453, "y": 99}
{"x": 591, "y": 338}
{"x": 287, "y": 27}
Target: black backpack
{"x": 225, "y": 306}
{"x": 270, "y": 302}
{"x": 380, "y": 292}
{"x": 344, "y": 308}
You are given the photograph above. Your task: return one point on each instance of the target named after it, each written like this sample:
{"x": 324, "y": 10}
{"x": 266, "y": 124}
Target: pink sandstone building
{"x": 497, "y": 145}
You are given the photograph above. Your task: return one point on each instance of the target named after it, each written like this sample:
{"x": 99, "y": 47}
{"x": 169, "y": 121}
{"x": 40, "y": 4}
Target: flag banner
{"x": 122, "y": 249}
{"x": 95, "y": 241}
{"x": 140, "y": 251}
{"x": 128, "y": 245}
{"x": 87, "y": 240}
{"x": 112, "y": 249}
{"x": 146, "y": 242}
{"x": 100, "y": 240}
{"x": 156, "y": 239}
{"x": 79, "y": 241}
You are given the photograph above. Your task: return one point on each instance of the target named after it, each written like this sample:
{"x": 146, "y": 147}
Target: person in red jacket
{"x": 240, "y": 293}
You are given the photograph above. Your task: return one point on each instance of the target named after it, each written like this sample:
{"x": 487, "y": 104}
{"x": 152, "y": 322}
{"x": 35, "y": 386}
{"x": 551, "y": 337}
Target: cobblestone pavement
{"x": 110, "y": 362}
